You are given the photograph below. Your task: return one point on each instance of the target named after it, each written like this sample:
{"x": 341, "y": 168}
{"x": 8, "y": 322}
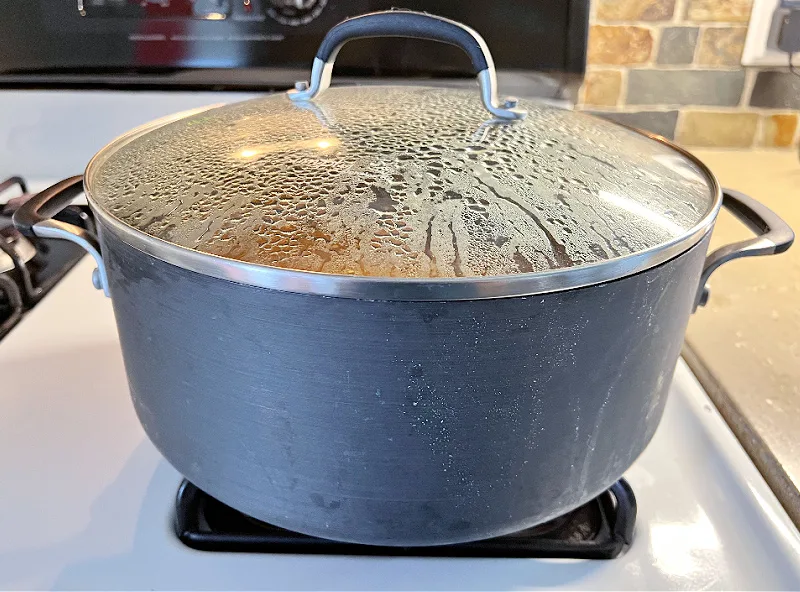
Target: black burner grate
{"x": 27, "y": 281}
{"x": 600, "y": 529}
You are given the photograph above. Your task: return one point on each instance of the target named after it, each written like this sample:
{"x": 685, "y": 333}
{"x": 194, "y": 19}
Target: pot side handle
{"x": 773, "y": 236}
{"x": 415, "y": 25}
{"x": 35, "y": 218}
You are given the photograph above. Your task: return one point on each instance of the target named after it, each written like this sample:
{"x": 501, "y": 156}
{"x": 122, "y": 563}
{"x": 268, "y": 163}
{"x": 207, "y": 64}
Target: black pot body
{"x": 398, "y": 423}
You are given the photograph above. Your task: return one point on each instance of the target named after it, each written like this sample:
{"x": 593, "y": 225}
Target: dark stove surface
{"x": 29, "y": 268}
{"x": 600, "y": 529}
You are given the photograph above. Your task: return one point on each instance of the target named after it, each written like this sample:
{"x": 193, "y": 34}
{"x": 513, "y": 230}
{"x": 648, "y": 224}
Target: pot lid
{"x": 402, "y": 182}
{"x": 410, "y": 182}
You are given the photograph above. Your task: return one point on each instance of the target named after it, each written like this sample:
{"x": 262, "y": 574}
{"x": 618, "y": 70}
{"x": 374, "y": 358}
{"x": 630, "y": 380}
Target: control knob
{"x": 295, "y": 12}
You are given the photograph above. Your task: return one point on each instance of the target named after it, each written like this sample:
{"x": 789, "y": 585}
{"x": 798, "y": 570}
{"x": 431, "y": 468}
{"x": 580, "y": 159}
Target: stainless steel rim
{"x": 406, "y": 289}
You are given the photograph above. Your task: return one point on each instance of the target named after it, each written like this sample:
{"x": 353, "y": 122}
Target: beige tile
{"x": 721, "y": 11}
{"x": 721, "y": 46}
{"x": 619, "y": 45}
{"x": 703, "y": 128}
{"x": 601, "y": 87}
{"x": 778, "y": 129}
{"x": 635, "y": 10}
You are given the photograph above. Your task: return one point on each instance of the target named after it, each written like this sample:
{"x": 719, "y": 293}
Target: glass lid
{"x": 402, "y": 182}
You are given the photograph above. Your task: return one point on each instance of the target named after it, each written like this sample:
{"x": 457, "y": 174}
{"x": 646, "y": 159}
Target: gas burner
{"x": 600, "y": 529}
{"x": 29, "y": 268}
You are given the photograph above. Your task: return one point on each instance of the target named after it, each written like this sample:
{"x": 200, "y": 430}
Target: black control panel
{"x": 72, "y": 40}
{"x": 293, "y": 13}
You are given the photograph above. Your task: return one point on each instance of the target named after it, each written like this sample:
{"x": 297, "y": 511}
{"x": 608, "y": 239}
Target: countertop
{"x": 745, "y": 344}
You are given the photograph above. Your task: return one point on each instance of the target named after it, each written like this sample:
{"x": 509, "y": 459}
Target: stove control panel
{"x": 294, "y": 12}
{"x": 98, "y": 37}
{"x": 286, "y": 12}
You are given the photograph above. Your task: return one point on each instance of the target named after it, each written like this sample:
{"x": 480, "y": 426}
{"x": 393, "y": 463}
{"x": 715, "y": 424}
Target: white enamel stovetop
{"x": 86, "y": 501}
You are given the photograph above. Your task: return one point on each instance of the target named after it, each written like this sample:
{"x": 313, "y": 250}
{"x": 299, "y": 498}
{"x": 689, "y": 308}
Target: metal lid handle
{"x": 417, "y": 25}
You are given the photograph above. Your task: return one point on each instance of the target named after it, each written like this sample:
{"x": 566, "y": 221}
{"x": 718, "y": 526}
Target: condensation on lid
{"x": 401, "y": 182}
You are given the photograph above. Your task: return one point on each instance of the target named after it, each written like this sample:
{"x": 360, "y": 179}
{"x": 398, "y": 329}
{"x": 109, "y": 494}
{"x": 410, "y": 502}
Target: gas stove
{"x": 88, "y": 502}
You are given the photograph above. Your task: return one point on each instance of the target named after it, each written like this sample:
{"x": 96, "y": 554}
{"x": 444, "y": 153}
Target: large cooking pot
{"x": 400, "y": 315}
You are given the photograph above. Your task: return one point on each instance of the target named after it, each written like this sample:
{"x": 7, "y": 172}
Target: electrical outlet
{"x": 761, "y": 43}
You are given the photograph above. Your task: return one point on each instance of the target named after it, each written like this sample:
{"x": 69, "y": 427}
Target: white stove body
{"x": 87, "y": 502}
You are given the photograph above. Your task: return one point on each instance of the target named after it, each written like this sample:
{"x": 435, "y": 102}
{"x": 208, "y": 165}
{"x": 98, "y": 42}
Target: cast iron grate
{"x": 26, "y": 283}
{"x": 600, "y": 529}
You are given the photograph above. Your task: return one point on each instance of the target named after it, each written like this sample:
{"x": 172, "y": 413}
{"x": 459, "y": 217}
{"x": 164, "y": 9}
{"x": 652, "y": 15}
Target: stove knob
{"x": 295, "y": 12}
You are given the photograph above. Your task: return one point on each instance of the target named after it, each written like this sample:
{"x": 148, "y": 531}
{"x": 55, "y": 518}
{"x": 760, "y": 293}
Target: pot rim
{"x": 403, "y": 288}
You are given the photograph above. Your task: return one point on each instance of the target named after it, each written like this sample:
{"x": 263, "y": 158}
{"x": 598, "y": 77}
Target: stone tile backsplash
{"x": 635, "y": 10}
{"x": 726, "y": 11}
{"x": 709, "y": 128}
{"x": 673, "y": 67}
{"x": 719, "y": 88}
{"x": 677, "y": 45}
{"x": 776, "y": 89}
{"x": 659, "y": 122}
{"x": 602, "y": 87}
{"x": 778, "y": 130}
{"x": 721, "y": 46}
{"x": 619, "y": 45}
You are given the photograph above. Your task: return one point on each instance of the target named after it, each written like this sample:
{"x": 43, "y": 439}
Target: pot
{"x": 400, "y": 315}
